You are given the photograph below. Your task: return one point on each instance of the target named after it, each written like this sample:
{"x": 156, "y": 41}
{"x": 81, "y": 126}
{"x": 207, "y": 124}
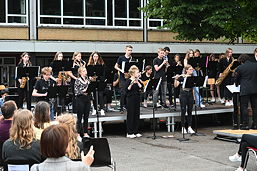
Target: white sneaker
{"x": 240, "y": 169}
{"x": 231, "y": 103}
{"x": 158, "y": 105}
{"x": 94, "y": 112}
{"x": 227, "y": 103}
{"x": 190, "y": 130}
{"x": 138, "y": 135}
{"x": 235, "y": 158}
{"x": 102, "y": 112}
{"x": 184, "y": 130}
{"x": 131, "y": 136}
{"x": 222, "y": 101}
{"x": 202, "y": 106}
{"x": 212, "y": 100}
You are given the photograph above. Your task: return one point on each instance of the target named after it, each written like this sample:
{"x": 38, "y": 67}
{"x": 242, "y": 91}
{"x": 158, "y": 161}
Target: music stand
{"x": 95, "y": 71}
{"x": 153, "y": 85}
{"x": 195, "y": 81}
{"x": 31, "y": 72}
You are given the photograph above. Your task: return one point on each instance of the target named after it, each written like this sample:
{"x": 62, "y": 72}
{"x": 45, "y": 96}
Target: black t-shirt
{"x": 120, "y": 60}
{"x": 161, "y": 72}
{"x": 144, "y": 77}
{"x": 42, "y": 87}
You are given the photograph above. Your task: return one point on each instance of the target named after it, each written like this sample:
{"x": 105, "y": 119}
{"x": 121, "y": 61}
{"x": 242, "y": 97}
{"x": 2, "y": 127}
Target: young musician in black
{"x": 169, "y": 74}
{"x": 212, "y": 71}
{"x": 77, "y": 63}
{"x": 145, "y": 78}
{"x": 41, "y": 89}
{"x": 246, "y": 76}
{"x": 186, "y": 99}
{"x": 22, "y": 82}
{"x": 96, "y": 59}
{"x": 133, "y": 86}
{"x": 160, "y": 65}
{"x": 83, "y": 101}
{"x": 177, "y": 70}
{"x": 123, "y": 76}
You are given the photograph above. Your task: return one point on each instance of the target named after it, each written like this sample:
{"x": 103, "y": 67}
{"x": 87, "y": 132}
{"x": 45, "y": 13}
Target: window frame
{"x": 7, "y": 15}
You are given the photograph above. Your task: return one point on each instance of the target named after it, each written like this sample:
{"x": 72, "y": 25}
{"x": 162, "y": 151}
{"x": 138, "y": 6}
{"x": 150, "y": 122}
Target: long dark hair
{"x": 22, "y": 55}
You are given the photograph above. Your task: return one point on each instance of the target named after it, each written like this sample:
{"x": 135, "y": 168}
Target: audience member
{"x": 8, "y": 110}
{"x": 54, "y": 143}
{"x": 22, "y": 144}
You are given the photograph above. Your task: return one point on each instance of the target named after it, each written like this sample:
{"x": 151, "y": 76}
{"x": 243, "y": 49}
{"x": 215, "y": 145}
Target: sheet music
{"x": 18, "y": 167}
{"x": 159, "y": 83}
{"x": 123, "y": 66}
{"x": 233, "y": 88}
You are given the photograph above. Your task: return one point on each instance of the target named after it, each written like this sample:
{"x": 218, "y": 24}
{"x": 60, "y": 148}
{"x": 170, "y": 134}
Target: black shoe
{"x": 235, "y": 126}
{"x": 165, "y": 106}
{"x": 245, "y": 128}
{"x": 254, "y": 127}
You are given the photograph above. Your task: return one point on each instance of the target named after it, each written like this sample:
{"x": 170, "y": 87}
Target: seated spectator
{"x": 73, "y": 150}
{"x": 3, "y": 93}
{"x": 8, "y": 110}
{"x": 246, "y": 141}
{"x": 42, "y": 118}
{"x": 54, "y": 143}
{"x": 22, "y": 144}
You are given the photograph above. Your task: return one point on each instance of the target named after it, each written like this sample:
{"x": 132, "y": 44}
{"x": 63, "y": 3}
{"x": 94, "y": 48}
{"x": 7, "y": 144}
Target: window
{"x": 90, "y": 13}
{"x": 14, "y": 12}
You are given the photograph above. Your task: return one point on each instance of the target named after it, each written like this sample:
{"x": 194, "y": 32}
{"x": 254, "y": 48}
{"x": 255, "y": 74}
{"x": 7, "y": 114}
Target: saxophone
{"x": 225, "y": 73}
{"x": 23, "y": 81}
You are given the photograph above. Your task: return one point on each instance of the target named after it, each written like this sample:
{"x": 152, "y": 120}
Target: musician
{"x": 246, "y": 76}
{"x": 83, "y": 101}
{"x": 22, "y": 82}
{"x": 223, "y": 64}
{"x": 177, "y": 70}
{"x": 41, "y": 89}
{"x": 186, "y": 99}
{"x": 77, "y": 63}
{"x": 169, "y": 74}
{"x": 96, "y": 59}
{"x": 220, "y": 88}
{"x": 160, "y": 65}
{"x": 133, "y": 86}
{"x": 212, "y": 71}
{"x": 122, "y": 81}
{"x": 145, "y": 78}
{"x": 58, "y": 78}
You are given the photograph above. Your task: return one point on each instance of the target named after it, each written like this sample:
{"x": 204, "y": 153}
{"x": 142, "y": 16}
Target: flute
{"x": 183, "y": 75}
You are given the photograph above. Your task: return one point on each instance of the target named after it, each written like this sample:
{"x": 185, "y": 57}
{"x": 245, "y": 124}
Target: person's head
{"x": 177, "y": 58}
{"x": 8, "y": 109}
{"x": 134, "y": 71}
{"x": 128, "y": 50}
{"x": 189, "y": 69}
{"x": 58, "y": 56}
{"x": 222, "y": 55}
{"x": 243, "y": 58}
{"x": 46, "y": 72}
{"x": 189, "y": 54}
{"x": 76, "y": 56}
{"x": 148, "y": 69}
{"x": 70, "y": 121}
{"x": 25, "y": 57}
{"x": 54, "y": 141}
{"x": 212, "y": 57}
{"x": 161, "y": 52}
{"x": 167, "y": 51}
{"x": 22, "y": 131}
{"x": 95, "y": 58}
{"x": 197, "y": 53}
{"x": 255, "y": 53}
{"x": 42, "y": 114}
{"x": 82, "y": 72}
{"x": 229, "y": 52}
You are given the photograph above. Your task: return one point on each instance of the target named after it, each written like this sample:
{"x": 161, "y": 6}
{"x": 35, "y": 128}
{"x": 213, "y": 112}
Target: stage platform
{"x": 147, "y": 113}
{"x": 232, "y": 135}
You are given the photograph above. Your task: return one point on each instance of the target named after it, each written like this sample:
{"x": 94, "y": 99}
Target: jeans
{"x": 198, "y": 97}
{"x": 163, "y": 88}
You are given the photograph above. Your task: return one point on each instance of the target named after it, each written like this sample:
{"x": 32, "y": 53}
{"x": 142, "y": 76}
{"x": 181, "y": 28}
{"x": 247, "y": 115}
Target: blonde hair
{"x": 75, "y": 54}
{"x": 70, "y": 122}
{"x": 133, "y": 69}
{"x": 46, "y": 70}
{"x": 56, "y": 55}
{"x": 22, "y": 130}
{"x": 81, "y": 69}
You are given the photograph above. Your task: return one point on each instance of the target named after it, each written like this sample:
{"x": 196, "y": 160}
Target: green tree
{"x": 206, "y": 19}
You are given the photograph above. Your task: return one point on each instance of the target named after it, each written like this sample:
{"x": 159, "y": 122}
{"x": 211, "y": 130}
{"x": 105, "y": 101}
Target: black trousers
{"x": 246, "y": 141}
{"x": 23, "y": 92}
{"x": 244, "y": 101}
{"x": 186, "y": 104}
{"x": 122, "y": 94}
{"x": 170, "y": 94}
{"x": 100, "y": 99}
{"x": 133, "y": 114}
{"x": 83, "y": 108}
{"x": 227, "y": 81}
{"x": 74, "y": 99}
{"x": 235, "y": 105}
